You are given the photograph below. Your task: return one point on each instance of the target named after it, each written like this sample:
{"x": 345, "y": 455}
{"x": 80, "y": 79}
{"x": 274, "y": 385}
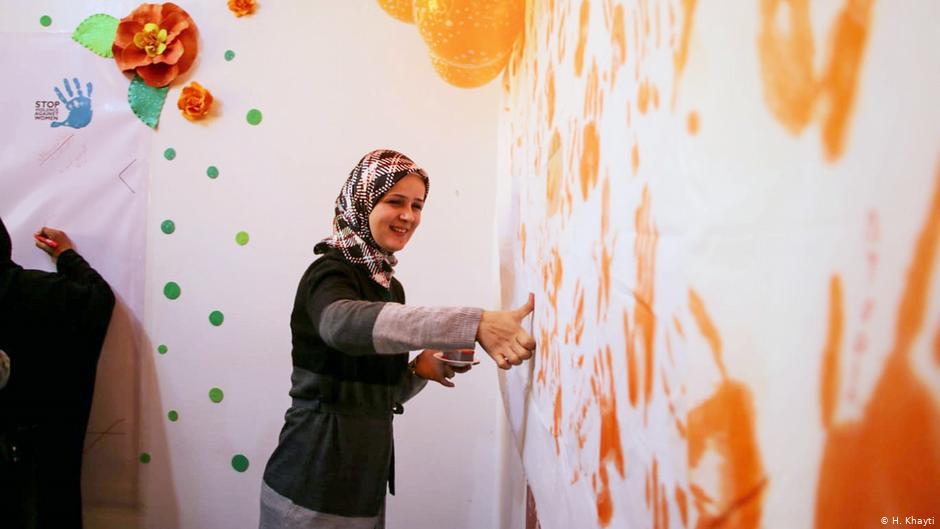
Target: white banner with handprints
{"x": 73, "y": 156}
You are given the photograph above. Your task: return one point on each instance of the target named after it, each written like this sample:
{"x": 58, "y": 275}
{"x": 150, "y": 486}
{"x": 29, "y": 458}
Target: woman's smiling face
{"x": 398, "y": 213}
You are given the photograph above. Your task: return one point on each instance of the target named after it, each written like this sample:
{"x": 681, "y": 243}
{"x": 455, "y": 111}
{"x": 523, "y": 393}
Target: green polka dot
{"x": 254, "y": 116}
{"x": 173, "y": 416}
{"x": 241, "y": 238}
{"x": 170, "y": 153}
{"x": 216, "y": 318}
{"x": 229, "y": 55}
{"x": 240, "y": 463}
{"x": 162, "y": 349}
{"x": 45, "y": 20}
{"x": 144, "y": 457}
{"x": 212, "y": 172}
{"x": 168, "y": 226}
{"x": 171, "y": 290}
{"x": 216, "y": 395}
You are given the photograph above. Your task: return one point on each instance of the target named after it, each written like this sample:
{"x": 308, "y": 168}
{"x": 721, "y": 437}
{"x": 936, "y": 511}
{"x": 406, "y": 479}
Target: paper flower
{"x": 242, "y": 7}
{"x": 195, "y": 101}
{"x": 158, "y": 41}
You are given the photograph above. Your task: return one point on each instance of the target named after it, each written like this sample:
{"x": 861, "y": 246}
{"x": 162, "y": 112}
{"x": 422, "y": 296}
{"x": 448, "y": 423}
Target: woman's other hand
{"x": 501, "y": 335}
{"x": 430, "y": 368}
{"x": 52, "y": 241}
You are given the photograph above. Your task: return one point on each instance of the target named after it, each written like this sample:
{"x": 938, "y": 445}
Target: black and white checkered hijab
{"x": 369, "y": 180}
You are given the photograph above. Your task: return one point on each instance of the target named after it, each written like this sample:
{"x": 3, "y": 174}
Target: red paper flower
{"x": 158, "y": 41}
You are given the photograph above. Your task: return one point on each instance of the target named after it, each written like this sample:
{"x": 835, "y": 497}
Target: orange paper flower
{"x": 195, "y": 101}
{"x": 158, "y": 41}
{"x": 242, "y": 7}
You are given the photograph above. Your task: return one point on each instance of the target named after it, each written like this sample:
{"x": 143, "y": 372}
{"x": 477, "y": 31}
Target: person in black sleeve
{"x": 351, "y": 336}
{"x": 52, "y": 326}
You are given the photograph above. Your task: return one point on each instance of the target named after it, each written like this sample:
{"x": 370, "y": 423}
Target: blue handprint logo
{"x": 79, "y": 105}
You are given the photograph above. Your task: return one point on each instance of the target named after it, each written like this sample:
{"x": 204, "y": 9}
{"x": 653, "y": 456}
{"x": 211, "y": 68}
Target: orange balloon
{"x": 470, "y": 33}
{"x": 467, "y": 76}
{"x": 400, "y": 9}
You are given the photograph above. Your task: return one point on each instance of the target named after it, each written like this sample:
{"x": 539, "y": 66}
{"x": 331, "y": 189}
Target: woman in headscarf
{"x": 52, "y": 326}
{"x": 351, "y": 337}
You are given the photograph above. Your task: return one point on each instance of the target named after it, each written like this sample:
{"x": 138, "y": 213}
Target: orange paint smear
{"x": 792, "y": 90}
{"x": 663, "y": 508}
{"x": 644, "y": 318}
{"x": 678, "y": 326}
{"x": 611, "y": 450}
{"x": 635, "y": 158}
{"x": 543, "y": 351}
{"x": 643, "y": 96}
{"x": 632, "y": 369}
{"x": 592, "y": 94}
{"x": 550, "y": 97}
{"x": 936, "y": 347}
{"x": 829, "y": 385}
{"x": 693, "y": 123}
{"x": 606, "y": 255}
{"x": 555, "y": 180}
{"x": 522, "y": 239}
{"x": 887, "y": 461}
{"x": 578, "y": 312}
{"x": 556, "y": 424}
{"x": 725, "y": 424}
{"x": 658, "y": 27}
{"x": 681, "y": 56}
{"x": 590, "y": 160}
{"x": 582, "y": 37}
{"x": 682, "y": 502}
{"x": 708, "y": 330}
{"x": 841, "y": 77}
{"x": 672, "y": 408}
{"x": 618, "y": 38}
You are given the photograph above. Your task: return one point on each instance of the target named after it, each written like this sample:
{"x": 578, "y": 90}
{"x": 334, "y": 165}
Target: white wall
{"x": 333, "y": 80}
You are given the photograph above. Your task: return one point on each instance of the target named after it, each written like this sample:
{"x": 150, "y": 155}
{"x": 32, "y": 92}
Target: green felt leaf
{"x": 97, "y": 34}
{"x": 146, "y": 101}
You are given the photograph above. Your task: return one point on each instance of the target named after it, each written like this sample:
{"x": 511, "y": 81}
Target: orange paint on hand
{"x": 692, "y": 123}
{"x": 590, "y": 159}
{"x": 829, "y": 385}
{"x": 887, "y": 461}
